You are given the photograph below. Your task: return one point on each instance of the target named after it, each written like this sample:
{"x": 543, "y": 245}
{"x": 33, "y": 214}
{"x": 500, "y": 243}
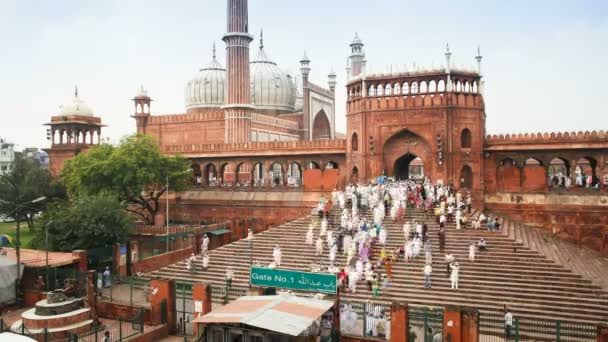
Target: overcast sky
{"x": 544, "y": 61}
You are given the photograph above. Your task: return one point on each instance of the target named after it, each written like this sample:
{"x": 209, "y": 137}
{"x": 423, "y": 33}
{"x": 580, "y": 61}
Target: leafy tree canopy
{"x": 135, "y": 171}
{"x": 89, "y": 222}
{"x": 26, "y": 182}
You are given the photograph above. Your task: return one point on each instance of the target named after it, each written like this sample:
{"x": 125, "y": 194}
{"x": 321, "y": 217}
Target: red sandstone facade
{"x": 257, "y": 140}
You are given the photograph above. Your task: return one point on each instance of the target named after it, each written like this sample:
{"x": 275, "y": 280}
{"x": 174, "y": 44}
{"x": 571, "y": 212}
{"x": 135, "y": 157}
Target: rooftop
{"x": 35, "y": 258}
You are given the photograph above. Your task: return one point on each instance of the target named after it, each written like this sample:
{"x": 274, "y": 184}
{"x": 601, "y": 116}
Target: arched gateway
{"x": 408, "y": 166}
{"x": 406, "y": 155}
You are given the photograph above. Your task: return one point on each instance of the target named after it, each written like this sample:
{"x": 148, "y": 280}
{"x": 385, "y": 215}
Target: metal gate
{"x": 424, "y": 324}
{"x": 184, "y": 309}
{"x": 491, "y": 328}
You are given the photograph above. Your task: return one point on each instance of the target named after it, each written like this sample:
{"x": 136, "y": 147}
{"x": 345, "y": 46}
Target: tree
{"x": 26, "y": 182}
{"x": 135, "y": 171}
{"x": 88, "y": 222}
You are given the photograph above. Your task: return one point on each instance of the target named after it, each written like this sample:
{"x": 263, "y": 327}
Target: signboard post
{"x": 294, "y": 280}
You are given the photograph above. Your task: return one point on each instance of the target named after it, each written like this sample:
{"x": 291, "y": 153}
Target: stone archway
{"x": 408, "y": 166}
{"x": 321, "y": 128}
{"x": 401, "y": 151}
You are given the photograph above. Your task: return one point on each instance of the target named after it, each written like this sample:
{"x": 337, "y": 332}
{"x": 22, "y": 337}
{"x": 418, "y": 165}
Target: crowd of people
{"x": 356, "y": 238}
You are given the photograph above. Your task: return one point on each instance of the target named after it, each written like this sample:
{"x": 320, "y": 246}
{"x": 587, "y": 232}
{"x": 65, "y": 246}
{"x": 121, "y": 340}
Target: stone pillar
{"x": 92, "y": 294}
{"x": 399, "y": 329}
{"x": 82, "y": 265}
{"x": 469, "y": 324}
{"x": 163, "y": 289}
{"x": 200, "y": 296}
{"x": 452, "y": 324}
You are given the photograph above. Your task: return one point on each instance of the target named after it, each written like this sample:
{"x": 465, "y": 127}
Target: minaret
{"x": 331, "y": 80}
{"x": 478, "y": 58}
{"x": 448, "y": 55}
{"x": 305, "y": 69}
{"x": 357, "y": 57}
{"x": 481, "y": 81}
{"x": 238, "y": 106}
{"x": 142, "y": 110}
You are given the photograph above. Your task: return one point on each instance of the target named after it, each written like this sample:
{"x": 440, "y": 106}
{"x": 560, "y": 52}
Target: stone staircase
{"x": 534, "y": 286}
{"x": 583, "y": 260}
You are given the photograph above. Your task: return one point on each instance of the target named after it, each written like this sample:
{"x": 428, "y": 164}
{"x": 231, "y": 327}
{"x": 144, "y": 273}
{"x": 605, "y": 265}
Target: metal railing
{"x": 162, "y": 244}
{"x": 125, "y": 290}
{"x": 492, "y": 328}
{"x": 118, "y": 331}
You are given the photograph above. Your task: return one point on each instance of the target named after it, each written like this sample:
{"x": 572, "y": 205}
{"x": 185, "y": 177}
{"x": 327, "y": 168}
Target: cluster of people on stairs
{"x": 352, "y": 236}
{"x": 357, "y": 239}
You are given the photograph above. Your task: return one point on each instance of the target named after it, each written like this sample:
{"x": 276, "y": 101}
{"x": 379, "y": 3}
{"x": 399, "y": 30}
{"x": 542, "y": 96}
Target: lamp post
{"x": 250, "y": 239}
{"x": 17, "y": 214}
{"x": 46, "y": 247}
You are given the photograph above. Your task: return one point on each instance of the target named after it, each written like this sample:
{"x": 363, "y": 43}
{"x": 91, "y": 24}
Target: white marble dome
{"x": 271, "y": 88}
{"x": 207, "y": 88}
{"x": 76, "y": 107}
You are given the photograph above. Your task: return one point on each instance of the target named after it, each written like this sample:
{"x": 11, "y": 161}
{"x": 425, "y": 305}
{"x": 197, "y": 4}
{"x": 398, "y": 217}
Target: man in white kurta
{"x": 309, "y": 236}
{"x": 455, "y": 274}
{"x": 319, "y": 246}
{"x": 277, "y": 254}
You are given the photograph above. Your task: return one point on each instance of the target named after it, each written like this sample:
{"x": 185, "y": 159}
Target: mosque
{"x": 252, "y": 128}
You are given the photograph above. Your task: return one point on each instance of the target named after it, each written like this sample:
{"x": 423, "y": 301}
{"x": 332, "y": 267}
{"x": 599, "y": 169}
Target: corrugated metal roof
{"x": 286, "y": 314}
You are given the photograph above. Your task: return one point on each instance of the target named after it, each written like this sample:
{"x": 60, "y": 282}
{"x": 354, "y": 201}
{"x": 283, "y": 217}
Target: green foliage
{"x": 26, "y": 182}
{"x": 135, "y": 171}
{"x": 91, "y": 221}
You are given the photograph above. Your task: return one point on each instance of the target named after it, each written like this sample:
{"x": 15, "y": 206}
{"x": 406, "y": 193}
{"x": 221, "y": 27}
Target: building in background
{"x": 71, "y": 132}
{"x": 7, "y": 156}
{"x": 37, "y": 155}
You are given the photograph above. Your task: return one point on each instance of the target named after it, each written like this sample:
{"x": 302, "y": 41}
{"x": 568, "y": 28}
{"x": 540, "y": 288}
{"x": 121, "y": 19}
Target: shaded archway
{"x": 408, "y": 166}
{"x": 276, "y": 174}
{"x": 400, "y": 150}
{"x": 312, "y": 165}
{"x": 466, "y": 177}
{"x": 331, "y": 165}
{"x": 211, "y": 174}
{"x": 227, "y": 173}
{"x": 243, "y": 174}
{"x": 294, "y": 175}
{"x": 585, "y": 171}
{"x": 258, "y": 174}
{"x": 354, "y": 142}
{"x": 321, "y": 128}
{"x": 197, "y": 177}
{"x": 354, "y": 175}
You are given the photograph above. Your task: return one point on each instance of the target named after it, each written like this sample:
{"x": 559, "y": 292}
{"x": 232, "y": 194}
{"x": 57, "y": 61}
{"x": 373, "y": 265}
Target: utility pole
{"x": 167, "y": 212}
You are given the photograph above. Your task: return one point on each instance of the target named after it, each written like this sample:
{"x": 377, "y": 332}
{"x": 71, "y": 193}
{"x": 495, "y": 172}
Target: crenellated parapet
{"x": 547, "y": 138}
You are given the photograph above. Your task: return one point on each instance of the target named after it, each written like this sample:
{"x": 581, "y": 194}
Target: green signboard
{"x": 294, "y": 280}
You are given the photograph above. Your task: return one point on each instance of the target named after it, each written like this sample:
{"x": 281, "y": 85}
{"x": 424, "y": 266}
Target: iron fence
{"x": 424, "y": 324}
{"x": 7, "y": 294}
{"x": 127, "y": 290}
{"x": 492, "y": 328}
{"x": 365, "y": 319}
{"x": 184, "y": 309}
{"x": 118, "y": 331}
{"x": 158, "y": 245}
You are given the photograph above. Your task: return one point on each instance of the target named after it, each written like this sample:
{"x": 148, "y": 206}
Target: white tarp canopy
{"x": 8, "y": 277}
{"x": 10, "y": 337}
